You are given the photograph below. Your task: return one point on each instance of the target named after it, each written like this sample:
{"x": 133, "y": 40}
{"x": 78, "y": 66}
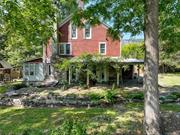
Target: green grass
{"x": 16, "y": 120}
{"x": 169, "y": 80}
{"x": 127, "y": 118}
{"x": 4, "y": 88}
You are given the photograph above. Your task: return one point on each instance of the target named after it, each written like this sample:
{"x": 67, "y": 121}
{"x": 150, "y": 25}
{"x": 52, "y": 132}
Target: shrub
{"x": 18, "y": 86}
{"x": 173, "y": 96}
{"x": 95, "y": 96}
{"x": 70, "y": 127}
{"x": 135, "y": 95}
{"x": 110, "y": 96}
{"x": 32, "y": 132}
{"x": 3, "y": 89}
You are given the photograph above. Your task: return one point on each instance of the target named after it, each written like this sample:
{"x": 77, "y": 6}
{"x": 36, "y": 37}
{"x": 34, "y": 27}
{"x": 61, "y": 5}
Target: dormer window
{"x": 87, "y": 31}
{"x": 102, "y": 48}
{"x": 73, "y": 31}
{"x": 65, "y": 49}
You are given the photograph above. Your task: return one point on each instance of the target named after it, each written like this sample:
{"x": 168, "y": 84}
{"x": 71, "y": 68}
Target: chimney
{"x": 80, "y": 4}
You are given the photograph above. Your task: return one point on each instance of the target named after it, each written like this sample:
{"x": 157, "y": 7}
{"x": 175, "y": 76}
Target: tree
{"x": 28, "y": 24}
{"x": 133, "y": 50}
{"x": 135, "y": 16}
{"x": 151, "y": 102}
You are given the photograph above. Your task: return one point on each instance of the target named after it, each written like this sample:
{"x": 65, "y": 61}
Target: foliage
{"x": 111, "y": 95}
{"x": 95, "y": 96}
{"x": 85, "y": 63}
{"x": 133, "y": 50}
{"x": 3, "y": 89}
{"x": 171, "y": 60}
{"x": 71, "y": 126}
{"x": 134, "y": 96}
{"x": 173, "y": 96}
{"x": 27, "y": 26}
{"x": 169, "y": 26}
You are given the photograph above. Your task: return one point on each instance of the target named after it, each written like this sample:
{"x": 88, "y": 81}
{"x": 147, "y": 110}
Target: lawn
{"x": 169, "y": 80}
{"x": 124, "y": 119}
{"x": 118, "y": 119}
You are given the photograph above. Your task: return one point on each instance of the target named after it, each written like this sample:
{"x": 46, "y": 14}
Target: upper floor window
{"x": 87, "y": 31}
{"x": 64, "y": 49}
{"x": 102, "y": 48}
{"x": 73, "y": 31}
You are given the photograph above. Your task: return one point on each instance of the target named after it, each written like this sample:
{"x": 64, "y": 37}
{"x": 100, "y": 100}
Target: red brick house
{"x": 90, "y": 39}
{"x": 74, "y": 41}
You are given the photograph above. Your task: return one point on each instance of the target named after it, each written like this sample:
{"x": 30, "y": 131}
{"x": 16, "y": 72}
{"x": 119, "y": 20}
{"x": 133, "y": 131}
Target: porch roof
{"x": 4, "y": 65}
{"x": 119, "y": 60}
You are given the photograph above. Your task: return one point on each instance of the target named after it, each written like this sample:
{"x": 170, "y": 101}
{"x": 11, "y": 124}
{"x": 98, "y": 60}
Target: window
{"x": 73, "y": 31}
{"x": 65, "y": 49}
{"x": 87, "y": 31}
{"x": 102, "y": 48}
{"x": 31, "y": 69}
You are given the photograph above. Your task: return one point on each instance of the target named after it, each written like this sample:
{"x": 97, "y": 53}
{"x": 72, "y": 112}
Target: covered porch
{"x": 113, "y": 71}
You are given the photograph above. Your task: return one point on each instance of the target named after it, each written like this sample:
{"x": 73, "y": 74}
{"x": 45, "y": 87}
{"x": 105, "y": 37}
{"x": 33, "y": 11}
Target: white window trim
{"x": 100, "y": 48}
{"x": 30, "y": 69}
{"x": 70, "y": 48}
{"x": 71, "y": 32}
{"x": 90, "y": 37}
{"x": 25, "y": 69}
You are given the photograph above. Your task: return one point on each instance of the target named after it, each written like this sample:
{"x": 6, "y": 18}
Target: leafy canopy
{"x": 28, "y": 24}
{"x": 133, "y": 50}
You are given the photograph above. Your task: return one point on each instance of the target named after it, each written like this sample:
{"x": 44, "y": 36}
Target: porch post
{"x": 121, "y": 79}
{"x": 105, "y": 74}
{"x": 69, "y": 75}
{"x": 77, "y": 75}
{"x": 138, "y": 69}
{"x": 87, "y": 79}
{"x": 118, "y": 78}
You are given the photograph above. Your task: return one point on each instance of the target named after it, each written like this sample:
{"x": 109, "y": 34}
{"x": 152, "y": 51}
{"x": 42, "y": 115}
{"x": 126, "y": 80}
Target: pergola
{"x": 116, "y": 62}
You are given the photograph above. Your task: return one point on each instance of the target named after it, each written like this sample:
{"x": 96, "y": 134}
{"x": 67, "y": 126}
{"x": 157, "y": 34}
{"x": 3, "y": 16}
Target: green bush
{"x": 173, "y": 96}
{"x": 70, "y": 127}
{"x": 18, "y": 86}
{"x": 110, "y": 96}
{"x": 32, "y": 132}
{"x": 135, "y": 95}
{"x": 3, "y": 89}
{"x": 95, "y": 96}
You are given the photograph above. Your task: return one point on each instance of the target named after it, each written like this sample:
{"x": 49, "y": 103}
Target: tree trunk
{"x": 151, "y": 101}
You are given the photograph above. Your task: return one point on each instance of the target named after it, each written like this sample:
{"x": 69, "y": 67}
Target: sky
{"x": 128, "y": 36}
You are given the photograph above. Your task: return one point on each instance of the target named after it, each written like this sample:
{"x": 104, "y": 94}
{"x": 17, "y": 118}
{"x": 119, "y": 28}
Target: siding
{"x": 91, "y": 46}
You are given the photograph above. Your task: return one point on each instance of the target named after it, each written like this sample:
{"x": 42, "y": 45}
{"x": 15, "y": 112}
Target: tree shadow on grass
{"x": 40, "y": 120}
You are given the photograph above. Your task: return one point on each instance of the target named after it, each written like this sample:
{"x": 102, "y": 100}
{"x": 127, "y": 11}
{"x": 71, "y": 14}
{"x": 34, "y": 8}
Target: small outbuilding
{"x": 5, "y": 71}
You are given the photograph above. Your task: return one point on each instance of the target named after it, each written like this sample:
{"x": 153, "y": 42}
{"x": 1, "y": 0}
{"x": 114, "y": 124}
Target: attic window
{"x": 87, "y": 31}
{"x": 73, "y": 31}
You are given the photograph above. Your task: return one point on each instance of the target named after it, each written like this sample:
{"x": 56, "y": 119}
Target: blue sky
{"x": 128, "y": 36}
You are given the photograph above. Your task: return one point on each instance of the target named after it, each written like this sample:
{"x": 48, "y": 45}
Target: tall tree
{"x": 151, "y": 102}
